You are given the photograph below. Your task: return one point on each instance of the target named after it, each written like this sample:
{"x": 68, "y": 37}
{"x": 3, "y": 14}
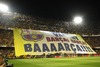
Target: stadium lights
{"x": 78, "y": 20}
{"x": 3, "y": 8}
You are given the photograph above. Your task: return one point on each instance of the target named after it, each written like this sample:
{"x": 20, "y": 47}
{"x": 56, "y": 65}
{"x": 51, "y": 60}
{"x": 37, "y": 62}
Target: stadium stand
{"x": 17, "y": 20}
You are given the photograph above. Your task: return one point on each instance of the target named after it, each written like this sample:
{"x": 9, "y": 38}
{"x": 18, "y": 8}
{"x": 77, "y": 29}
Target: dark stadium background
{"x": 60, "y": 9}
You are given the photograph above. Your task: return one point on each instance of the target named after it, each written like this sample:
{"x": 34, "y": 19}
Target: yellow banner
{"x": 37, "y": 42}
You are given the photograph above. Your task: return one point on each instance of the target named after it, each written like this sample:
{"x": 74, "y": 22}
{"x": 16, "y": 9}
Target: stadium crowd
{"x": 6, "y": 38}
{"x": 17, "y": 20}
